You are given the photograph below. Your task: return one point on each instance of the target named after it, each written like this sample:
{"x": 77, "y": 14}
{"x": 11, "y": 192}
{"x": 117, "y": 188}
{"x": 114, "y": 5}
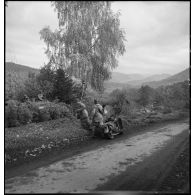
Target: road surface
{"x": 143, "y": 162}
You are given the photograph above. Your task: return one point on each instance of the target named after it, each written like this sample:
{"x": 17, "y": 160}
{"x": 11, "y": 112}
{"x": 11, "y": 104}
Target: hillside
{"x": 156, "y": 77}
{"x": 118, "y": 77}
{"x": 181, "y": 76}
{"x": 20, "y": 69}
{"x": 15, "y": 76}
{"x": 110, "y": 86}
{"x": 120, "y": 80}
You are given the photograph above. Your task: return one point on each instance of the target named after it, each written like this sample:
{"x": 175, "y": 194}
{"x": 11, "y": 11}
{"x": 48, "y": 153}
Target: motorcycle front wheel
{"x": 109, "y": 136}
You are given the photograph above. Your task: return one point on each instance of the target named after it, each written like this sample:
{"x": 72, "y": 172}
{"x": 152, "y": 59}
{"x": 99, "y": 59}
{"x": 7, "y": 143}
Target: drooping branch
{"x": 88, "y": 40}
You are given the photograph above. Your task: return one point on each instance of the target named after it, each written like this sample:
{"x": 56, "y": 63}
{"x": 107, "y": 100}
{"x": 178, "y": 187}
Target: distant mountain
{"x": 17, "y": 68}
{"x": 121, "y": 80}
{"x": 118, "y": 77}
{"x": 156, "y": 77}
{"x": 118, "y": 80}
{"x": 15, "y": 77}
{"x": 110, "y": 86}
{"x": 181, "y": 76}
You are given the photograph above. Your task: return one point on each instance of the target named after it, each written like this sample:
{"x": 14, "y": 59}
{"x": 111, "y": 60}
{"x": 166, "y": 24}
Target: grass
{"x": 32, "y": 140}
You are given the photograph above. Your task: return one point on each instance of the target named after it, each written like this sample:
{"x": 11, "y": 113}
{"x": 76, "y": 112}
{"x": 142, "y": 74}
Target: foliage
{"x": 130, "y": 109}
{"x": 47, "y": 89}
{"x": 47, "y": 73}
{"x": 59, "y": 110}
{"x": 54, "y": 112}
{"x": 159, "y": 99}
{"x": 32, "y": 88}
{"x": 175, "y": 96}
{"x": 164, "y": 98}
{"x": 13, "y": 85}
{"x": 145, "y": 95}
{"x": 46, "y": 79}
{"x": 89, "y": 102}
{"x": 87, "y": 42}
{"x": 15, "y": 78}
{"x": 119, "y": 97}
{"x": 17, "y": 114}
{"x": 167, "y": 110}
{"x": 32, "y": 140}
{"x": 44, "y": 114}
{"x": 11, "y": 114}
{"x": 51, "y": 83}
{"x": 63, "y": 86}
{"x": 34, "y": 108}
{"x": 57, "y": 84}
{"x": 24, "y": 114}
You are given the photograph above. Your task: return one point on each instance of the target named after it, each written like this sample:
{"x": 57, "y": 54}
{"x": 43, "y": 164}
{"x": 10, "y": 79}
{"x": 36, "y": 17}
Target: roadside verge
{"x": 33, "y": 141}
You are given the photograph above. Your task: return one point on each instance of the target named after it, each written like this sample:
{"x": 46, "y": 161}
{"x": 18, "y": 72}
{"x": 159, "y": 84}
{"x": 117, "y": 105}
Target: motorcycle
{"x": 110, "y": 129}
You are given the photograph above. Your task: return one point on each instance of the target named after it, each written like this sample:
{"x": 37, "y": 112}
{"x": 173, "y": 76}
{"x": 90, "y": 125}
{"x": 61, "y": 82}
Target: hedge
{"x": 17, "y": 114}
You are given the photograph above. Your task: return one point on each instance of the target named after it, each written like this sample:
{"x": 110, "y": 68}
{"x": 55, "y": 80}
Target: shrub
{"x": 55, "y": 112}
{"x": 24, "y": 114}
{"x": 44, "y": 114}
{"x": 32, "y": 87}
{"x": 146, "y": 95}
{"x": 21, "y": 94}
{"x": 63, "y": 86}
{"x": 129, "y": 110}
{"x": 34, "y": 110}
{"x": 46, "y": 89}
{"x": 11, "y": 114}
{"x": 17, "y": 114}
{"x": 167, "y": 110}
{"x": 64, "y": 110}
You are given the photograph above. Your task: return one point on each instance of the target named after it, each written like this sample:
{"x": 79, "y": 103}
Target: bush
{"x": 11, "y": 114}
{"x": 63, "y": 86}
{"x": 34, "y": 108}
{"x": 17, "y": 114}
{"x": 32, "y": 87}
{"x": 167, "y": 110}
{"x": 24, "y": 114}
{"x": 130, "y": 108}
{"x": 55, "y": 112}
{"x": 44, "y": 114}
{"x": 52, "y": 110}
{"x": 64, "y": 110}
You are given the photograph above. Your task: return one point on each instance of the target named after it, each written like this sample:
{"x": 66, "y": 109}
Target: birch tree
{"x": 87, "y": 42}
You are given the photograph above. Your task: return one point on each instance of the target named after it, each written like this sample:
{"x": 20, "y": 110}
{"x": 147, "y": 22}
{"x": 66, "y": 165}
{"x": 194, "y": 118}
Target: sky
{"x": 157, "y": 34}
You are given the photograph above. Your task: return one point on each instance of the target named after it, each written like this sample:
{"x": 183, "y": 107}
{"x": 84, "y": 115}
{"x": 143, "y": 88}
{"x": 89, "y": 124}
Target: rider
{"x": 97, "y": 117}
{"x": 82, "y": 114}
{"x": 97, "y": 113}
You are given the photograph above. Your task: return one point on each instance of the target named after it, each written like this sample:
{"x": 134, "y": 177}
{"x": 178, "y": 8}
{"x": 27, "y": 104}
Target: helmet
{"x": 81, "y": 105}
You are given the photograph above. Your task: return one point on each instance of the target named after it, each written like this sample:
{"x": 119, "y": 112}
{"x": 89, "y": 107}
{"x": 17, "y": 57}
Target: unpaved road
{"x": 137, "y": 163}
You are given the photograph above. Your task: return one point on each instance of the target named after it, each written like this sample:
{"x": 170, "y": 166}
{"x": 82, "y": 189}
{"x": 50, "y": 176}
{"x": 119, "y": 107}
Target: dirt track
{"x": 144, "y": 162}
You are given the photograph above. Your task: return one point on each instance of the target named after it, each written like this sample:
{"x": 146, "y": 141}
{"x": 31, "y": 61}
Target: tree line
{"x": 170, "y": 97}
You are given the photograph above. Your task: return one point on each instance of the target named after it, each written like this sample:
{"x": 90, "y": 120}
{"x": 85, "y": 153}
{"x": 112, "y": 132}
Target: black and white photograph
{"x": 97, "y": 97}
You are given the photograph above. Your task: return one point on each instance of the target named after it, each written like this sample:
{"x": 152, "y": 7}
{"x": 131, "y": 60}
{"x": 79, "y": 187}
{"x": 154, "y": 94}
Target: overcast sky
{"x": 157, "y": 35}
